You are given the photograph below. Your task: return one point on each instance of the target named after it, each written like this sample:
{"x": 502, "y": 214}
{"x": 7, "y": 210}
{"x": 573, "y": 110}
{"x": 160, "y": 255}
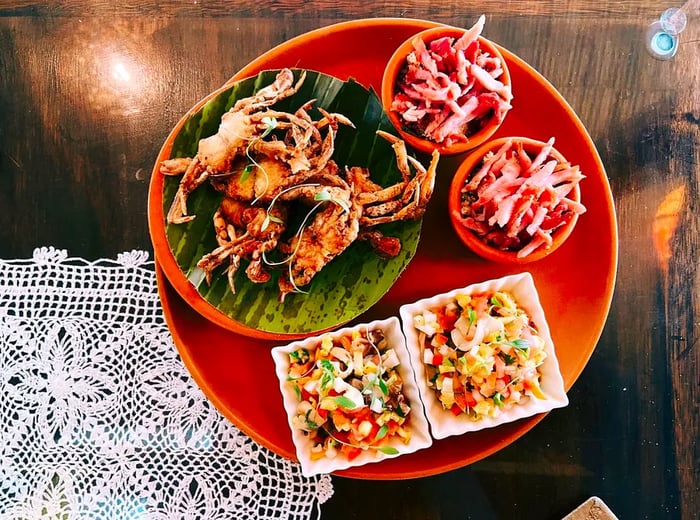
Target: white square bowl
{"x": 417, "y": 423}
{"x": 444, "y": 423}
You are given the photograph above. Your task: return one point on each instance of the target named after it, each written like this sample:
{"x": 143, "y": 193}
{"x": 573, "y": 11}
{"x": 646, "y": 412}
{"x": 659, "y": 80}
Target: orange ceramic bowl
{"x": 394, "y": 70}
{"x": 464, "y": 173}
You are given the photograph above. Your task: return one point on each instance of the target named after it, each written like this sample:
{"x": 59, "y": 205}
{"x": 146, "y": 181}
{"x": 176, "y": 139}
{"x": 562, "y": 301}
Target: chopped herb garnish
{"x": 377, "y": 400}
{"x": 245, "y": 174}
{"x": 328, "y": 375}
{"x": 471, "y": 313}
{"x": 322, "y": 195}
{"x": 270, "y": 124}
{"x": 325, "y": 196}
{"x": 388, "y": 450}
{"x": 300, "y": 356}
{"x": 520, "y": 344}
{"x": 270, "y": 218}
{"x": 309, "y": 422}
{"x": 498, "y": 399}
{"x": 509, "y": 360}
{"x": 344, "y": 402}
{"x": 382, "y": 385}
{"x": 382, "y": 433}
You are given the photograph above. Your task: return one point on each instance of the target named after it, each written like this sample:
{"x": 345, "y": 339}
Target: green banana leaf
{"x": 352, "y": 282}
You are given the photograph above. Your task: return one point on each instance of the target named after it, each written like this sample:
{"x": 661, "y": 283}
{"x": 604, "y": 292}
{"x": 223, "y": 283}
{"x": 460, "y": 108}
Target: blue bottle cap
{"x": 661, "y": 43}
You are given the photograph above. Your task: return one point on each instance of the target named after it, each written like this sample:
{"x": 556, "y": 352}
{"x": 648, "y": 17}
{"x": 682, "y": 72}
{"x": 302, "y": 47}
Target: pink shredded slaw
{"x": 515, "y": 202}
{"x": 450, "y": 87}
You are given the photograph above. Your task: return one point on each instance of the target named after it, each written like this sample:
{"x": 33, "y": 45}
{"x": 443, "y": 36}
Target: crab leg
{"x": 383, "y": 209}
{"x": 383, "y": 195}
{"x": 195, "y": 175}
{"x": 175, "y": 166}
{"x": 421, "y": 189}
{"x": 278, "y": 90}
{"x": 402, "y": 157}
{"x": 212, "y": 260}
{"x": 427, "y": 183}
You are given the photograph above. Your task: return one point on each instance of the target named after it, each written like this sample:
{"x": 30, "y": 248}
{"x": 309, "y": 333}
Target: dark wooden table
{"x": 77, "y": 145}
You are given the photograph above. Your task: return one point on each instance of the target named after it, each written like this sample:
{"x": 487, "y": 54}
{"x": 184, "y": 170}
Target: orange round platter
{"x": 575, "y": 283}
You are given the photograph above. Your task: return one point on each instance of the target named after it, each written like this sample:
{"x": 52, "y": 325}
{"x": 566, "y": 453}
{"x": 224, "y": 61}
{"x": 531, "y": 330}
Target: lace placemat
{"x": 99, "y": 418}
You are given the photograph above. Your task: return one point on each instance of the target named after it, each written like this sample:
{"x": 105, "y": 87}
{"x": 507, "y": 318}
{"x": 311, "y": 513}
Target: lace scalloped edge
{"x": 47, "y": 255}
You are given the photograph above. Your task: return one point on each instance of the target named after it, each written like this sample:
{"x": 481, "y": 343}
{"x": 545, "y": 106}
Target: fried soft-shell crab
{"x": 263, "y": 160}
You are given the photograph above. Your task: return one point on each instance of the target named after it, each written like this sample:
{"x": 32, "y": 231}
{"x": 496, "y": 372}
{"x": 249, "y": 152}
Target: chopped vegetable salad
{"x": 482, "y": 354}
{"x": 350, "y": 395}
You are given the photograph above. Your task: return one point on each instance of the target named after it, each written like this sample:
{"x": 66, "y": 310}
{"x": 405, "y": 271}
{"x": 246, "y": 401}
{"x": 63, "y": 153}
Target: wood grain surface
{"x": 77, "y": 145}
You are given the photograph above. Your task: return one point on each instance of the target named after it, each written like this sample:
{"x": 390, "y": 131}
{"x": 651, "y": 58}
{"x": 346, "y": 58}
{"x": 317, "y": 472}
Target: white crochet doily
{"x": 99, "y": 418}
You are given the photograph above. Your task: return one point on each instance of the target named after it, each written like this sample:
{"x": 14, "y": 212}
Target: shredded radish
{"x": 515, "y": 202}
{"x": 450, "y": 88}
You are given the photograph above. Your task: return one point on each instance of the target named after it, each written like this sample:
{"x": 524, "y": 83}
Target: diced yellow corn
{"x": 369, "y": 368}
{"x": 317, "y": 452}
{"x": 447, "y": 400}
{"x": 326, "y": 344}
{"x": 446, "y": 369}
{"x": 484, "y": 407}
{"x": 404, "y": 434}
{"x": 357, "y": 363}
{"x": 328, "y": 403}
{"x": 463, "y": 300}
{"x": 507, "y": 300}
{"x": 536, "y": 390}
